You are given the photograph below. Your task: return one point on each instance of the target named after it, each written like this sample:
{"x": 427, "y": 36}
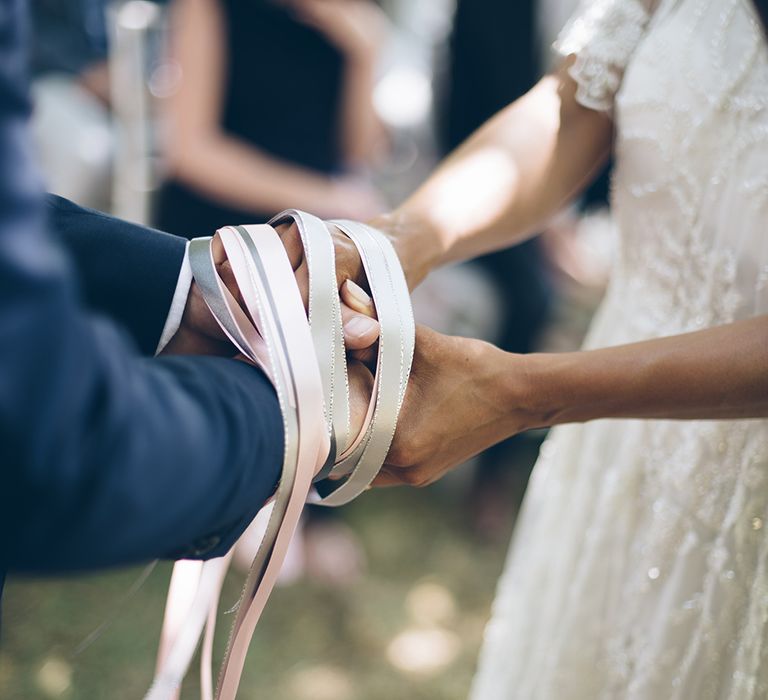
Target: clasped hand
{"x": 464, "y": 395}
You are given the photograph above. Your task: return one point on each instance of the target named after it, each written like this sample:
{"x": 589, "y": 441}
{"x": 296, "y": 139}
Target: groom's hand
{"x": 200, "y": 334}
{"x": 464, "y": 395}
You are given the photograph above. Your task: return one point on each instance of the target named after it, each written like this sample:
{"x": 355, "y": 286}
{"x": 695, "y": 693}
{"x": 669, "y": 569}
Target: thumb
{"x": 361, "y": 329}
{"x": 357, "y": 299}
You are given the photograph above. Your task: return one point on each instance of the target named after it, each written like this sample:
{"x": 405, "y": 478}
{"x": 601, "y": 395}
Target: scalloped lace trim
{"x": 602, "y": 35}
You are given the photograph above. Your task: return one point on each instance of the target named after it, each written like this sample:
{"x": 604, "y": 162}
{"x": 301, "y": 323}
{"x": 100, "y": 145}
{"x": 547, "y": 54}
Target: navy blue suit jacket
{"x": 108, "y": 457}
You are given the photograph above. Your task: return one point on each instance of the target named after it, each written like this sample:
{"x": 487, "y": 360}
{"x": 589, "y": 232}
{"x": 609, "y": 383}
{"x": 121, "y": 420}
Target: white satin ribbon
{"x": 307, "y": 366}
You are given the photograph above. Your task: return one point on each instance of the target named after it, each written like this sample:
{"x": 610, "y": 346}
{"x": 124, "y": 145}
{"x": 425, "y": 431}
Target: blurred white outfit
{"x": 75, "y": 140}
{"x": 639, "y": 568}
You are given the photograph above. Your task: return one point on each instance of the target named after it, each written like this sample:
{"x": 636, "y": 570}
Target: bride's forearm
{"x": 719, "y": 373}
{"x": 465, "y": 395}
{"x": 509, "y": 178}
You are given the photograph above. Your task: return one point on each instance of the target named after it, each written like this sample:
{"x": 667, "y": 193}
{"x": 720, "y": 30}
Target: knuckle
{"x": 399, "y": 456}
{"x": 414, "y": 477}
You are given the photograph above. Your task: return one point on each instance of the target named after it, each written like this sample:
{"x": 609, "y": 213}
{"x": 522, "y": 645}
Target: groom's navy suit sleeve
{"x": 107, "y": 457}
{"x": 125, "y": 272}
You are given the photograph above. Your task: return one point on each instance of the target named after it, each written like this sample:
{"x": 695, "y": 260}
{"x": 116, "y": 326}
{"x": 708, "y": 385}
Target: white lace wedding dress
{"x": 639, "y": 567}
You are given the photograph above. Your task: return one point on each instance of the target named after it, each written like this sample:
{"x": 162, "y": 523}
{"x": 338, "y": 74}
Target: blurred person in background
{"x": 491, "y": 64}
{"x": 273, "y": 109}
{"x": 71, "y": 123}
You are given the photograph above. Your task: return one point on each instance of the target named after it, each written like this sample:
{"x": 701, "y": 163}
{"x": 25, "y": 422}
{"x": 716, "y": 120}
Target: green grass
{"x": 426, "y": 571}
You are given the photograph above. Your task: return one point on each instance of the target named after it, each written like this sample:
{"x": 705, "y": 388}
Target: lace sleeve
{"x": 603, "y": 35}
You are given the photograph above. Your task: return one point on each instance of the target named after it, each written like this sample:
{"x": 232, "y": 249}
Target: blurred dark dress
{"x": 282, "y": 95}
{"x": 492, "y": 62}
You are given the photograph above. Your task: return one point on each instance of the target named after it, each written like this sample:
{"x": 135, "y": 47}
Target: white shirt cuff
{"x": 178, "y": 304}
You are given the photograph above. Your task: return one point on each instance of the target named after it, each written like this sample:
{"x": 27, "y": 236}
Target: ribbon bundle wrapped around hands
{"x": 305, "y": 359}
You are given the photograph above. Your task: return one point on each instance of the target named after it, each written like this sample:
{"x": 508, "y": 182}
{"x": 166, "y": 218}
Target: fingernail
{"x": 358, "y": 293}
{"x": 359, "y": 326}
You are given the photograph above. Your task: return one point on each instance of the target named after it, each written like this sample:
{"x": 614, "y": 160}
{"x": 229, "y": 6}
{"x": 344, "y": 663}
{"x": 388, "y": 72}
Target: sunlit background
{"x": 405, "y": 619}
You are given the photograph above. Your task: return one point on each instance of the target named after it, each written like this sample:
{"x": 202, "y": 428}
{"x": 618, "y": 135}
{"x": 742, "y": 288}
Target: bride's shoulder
{"x": 602, "y": 36}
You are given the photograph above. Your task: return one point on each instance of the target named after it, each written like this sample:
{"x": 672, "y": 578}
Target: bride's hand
{"x": 457, "y": 405}
{"x": 404, "y": 235}
{"x": 361, "y": 330}
{"x": 356, "y": 303}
